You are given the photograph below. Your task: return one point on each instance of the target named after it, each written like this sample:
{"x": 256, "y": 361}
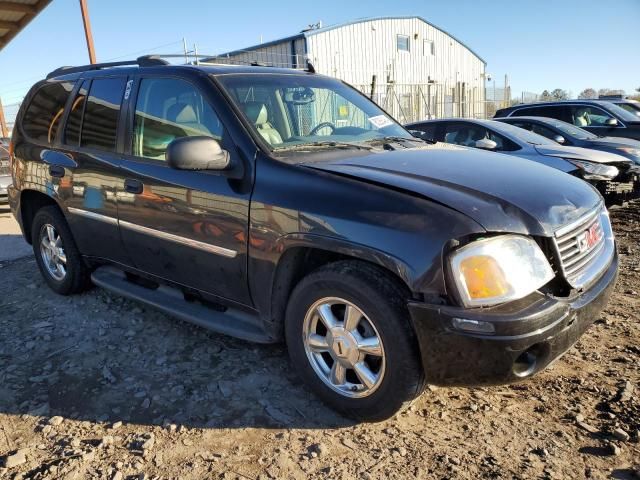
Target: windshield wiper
{"x": 391, "y": 139}
{"x": 328, "y": 143}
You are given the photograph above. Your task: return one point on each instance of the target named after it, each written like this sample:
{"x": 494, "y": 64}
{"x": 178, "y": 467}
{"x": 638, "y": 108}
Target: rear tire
{"x": 366, "y": 365}
{"x": 56, "y": 253}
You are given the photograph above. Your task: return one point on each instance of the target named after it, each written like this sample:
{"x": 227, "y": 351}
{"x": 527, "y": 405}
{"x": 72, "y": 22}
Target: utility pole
{"x": 3, "y": 124}
{"x": 87, "y": 30}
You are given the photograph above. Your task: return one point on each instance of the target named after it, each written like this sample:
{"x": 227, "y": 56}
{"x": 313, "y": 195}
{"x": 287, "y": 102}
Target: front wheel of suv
{"x": 56, "y": 253}
{"x": 349, "y": 337}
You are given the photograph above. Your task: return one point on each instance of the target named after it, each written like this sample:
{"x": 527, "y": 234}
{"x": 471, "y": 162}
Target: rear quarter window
{"x": 42, "y": 117}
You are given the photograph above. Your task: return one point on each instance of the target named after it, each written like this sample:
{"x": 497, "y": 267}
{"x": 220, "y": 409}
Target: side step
{"x": 172, "y": 302}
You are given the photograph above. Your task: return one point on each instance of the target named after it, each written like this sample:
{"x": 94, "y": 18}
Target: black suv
{"x": 603, "y": 118}
{"x": 275, "y": 204}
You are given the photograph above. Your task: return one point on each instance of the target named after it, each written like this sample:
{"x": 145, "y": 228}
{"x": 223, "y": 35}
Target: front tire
{"x": 348, "y": 334}
{"x": 57, "y": 256}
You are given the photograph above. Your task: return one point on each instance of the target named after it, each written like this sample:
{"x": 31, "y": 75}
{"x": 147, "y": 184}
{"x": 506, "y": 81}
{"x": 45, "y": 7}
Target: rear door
{"x": 189, "y": 227}
{"x": 90, "y": 144}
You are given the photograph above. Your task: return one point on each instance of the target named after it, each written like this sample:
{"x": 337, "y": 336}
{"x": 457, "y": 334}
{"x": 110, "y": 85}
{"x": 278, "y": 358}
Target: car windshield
{"x": 521, "y": 134}
{"x": 571, "y": 130}
{"x": 630, "y": 107}
{"x": 303, "y": 112}
{"x": 625, "y": 115}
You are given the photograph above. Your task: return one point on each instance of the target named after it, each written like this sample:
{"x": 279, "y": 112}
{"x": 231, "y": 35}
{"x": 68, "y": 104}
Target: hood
{"x": 578, "y": 153}
{"x": 502, "y": 193}
{"x": 615, "y": 142}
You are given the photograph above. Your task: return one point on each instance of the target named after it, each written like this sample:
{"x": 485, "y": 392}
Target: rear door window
{"x": 43, "y": 116}
{"x": 100, "y": 121}
{"x": 560, "y": 112}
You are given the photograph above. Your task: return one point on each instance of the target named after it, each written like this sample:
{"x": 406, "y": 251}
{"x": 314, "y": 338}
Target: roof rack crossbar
{"x": 144, "y": 61}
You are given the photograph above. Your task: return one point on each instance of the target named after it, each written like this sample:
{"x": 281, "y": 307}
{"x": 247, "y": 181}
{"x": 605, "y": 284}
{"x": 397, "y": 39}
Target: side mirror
{"x": 486, "y": 144}
{"x": 198, "y": 153}
{"x": 420, "y": 134}
{"x": 611, "y": 122}
{"x": 558, "y": 139}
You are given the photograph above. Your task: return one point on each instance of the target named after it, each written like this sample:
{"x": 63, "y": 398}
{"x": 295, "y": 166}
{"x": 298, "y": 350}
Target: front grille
{"x": 579, "y": 244}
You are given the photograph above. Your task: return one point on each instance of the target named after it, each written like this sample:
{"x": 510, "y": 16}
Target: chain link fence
{"x": 414, "y": 102}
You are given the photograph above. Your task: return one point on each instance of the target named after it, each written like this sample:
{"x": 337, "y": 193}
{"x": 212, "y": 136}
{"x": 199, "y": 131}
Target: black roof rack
{"x": 156, "y": 60}
{"x": 144, "y": 61}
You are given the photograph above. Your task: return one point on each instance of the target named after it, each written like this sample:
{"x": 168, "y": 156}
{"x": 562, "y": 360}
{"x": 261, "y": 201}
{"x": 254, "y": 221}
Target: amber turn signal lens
{"x": 484, "y": 277}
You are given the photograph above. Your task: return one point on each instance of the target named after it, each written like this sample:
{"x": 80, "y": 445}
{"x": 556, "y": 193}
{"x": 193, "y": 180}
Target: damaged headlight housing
{"x": 595, "y": 171}
{"x": 499, "y": 269}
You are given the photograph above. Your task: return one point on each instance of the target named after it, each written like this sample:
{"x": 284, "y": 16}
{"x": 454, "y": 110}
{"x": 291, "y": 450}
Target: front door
{"x": 189, "y": 227}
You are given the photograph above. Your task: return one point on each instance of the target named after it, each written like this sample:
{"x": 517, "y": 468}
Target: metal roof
{"x": 15, "y": 15}
{"x": 315, "y": 31}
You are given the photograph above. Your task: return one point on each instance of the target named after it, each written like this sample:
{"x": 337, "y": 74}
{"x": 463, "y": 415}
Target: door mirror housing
{"x": 611, "y": 122}
{"x": 486, "y": 144}
{"x": 420, "y": 134}
{"x": 198, "y": 153}
{"x": 558, "y": 139}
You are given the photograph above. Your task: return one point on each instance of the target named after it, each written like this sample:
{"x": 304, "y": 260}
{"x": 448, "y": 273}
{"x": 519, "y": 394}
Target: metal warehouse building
{"x": 409, "y": 66}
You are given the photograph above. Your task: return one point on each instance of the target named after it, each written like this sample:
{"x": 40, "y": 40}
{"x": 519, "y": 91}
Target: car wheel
{"x": 56, "y": 253}
{"x": 349, "y": 337}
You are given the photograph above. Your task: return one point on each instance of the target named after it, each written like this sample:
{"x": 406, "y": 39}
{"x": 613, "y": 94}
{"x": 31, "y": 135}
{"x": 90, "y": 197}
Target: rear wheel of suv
{"x": 56, "y": 253}
{"x": 349, "y": 337}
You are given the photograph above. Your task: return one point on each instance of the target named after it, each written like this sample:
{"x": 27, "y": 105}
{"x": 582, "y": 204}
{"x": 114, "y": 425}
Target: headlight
{"x": 634, "y": 152}
{"x": 595, "y": 171}
{"x": 497, "y": 270}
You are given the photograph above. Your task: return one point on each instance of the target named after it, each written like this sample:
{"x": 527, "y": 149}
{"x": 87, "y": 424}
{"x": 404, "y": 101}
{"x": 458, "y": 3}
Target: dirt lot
{"x": 96, "y": 386}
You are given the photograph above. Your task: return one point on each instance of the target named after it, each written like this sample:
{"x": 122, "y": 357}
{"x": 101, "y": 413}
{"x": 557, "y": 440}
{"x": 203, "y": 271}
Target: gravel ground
{"x": 95, "y": 386}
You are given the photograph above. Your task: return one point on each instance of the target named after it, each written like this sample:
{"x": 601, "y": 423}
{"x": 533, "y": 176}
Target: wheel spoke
{"x": 327, "y": 316}
{"x": 317, "y": 343}
{"x": 352, "y": 317}
{"x": 58, "y": 242}
{"x": 366, "y": 376}
{"x": 51, "y": 234}
{"x": 62, "y": 256}
{"x": 370, "y": 346}
{"x": 338, "y": 374}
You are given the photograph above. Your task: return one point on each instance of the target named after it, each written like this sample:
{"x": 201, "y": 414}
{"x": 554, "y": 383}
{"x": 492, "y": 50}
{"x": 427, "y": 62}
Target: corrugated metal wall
{"x": 356, "y": 52}
{"x": 437, "y": 77}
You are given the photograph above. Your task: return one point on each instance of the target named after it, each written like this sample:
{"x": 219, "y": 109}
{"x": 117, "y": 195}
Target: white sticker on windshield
{"x": 380, "y": 121}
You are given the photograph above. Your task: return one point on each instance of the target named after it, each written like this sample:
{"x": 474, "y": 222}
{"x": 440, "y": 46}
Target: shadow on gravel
{"x": 102, "y": 358}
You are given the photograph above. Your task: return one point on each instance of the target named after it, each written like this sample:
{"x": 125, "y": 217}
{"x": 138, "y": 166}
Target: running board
{"x": 171, "y": 301}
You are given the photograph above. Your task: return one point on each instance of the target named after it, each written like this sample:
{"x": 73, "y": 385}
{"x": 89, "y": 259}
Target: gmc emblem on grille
{"x": 588, "y": 238}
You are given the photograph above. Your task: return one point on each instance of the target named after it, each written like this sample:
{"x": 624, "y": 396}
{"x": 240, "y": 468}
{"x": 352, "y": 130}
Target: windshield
{"x": 621, "y": 112}
{"x": 630, "y": 107}
{"x": 571, "y": 130}
{"x": 293, "y": 112}
{"x": 521, "y": 134}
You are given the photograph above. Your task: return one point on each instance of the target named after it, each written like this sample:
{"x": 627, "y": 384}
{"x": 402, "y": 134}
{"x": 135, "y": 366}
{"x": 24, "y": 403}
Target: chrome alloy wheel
{"x": 343, "y": 347}
{"x": 52, "y": 252}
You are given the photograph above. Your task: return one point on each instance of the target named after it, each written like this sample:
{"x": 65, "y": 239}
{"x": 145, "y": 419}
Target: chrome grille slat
{"x": 584, "y": 261}
{"x": 573, "y": 262}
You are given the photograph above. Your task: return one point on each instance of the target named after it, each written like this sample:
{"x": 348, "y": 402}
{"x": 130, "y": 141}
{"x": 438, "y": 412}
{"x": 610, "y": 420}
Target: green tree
{"x": 559, "y": 94}
{"x": 545, "y": 96}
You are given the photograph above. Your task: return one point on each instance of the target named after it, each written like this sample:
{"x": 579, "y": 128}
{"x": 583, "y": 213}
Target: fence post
{"x": 373, "y": 86}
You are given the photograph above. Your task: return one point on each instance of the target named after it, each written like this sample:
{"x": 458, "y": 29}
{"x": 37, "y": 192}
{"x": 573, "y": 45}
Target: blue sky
{"x": 570, "y": 44}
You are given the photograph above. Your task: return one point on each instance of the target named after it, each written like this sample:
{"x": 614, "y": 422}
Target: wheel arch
{"x": 30, "y": 202}
{"x": 304, "y": 253}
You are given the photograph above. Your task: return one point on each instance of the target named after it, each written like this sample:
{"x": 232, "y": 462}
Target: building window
{"x": 402, "y": 42}
{"x": 428, "y": 48}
